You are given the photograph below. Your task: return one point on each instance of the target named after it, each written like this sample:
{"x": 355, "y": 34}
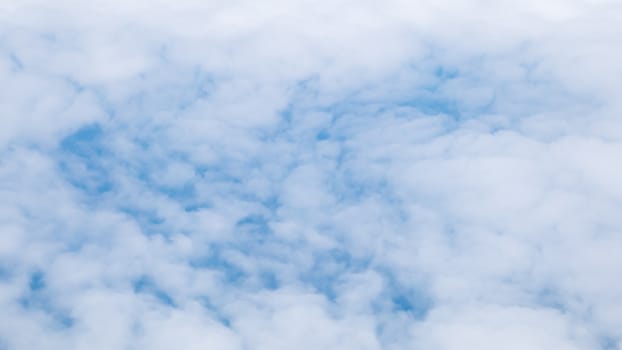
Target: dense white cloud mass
{"x": 311, "y": 174}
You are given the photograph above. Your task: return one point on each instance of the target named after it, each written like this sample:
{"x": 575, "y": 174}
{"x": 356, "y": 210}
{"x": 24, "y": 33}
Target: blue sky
{"x": 303, "y": 175}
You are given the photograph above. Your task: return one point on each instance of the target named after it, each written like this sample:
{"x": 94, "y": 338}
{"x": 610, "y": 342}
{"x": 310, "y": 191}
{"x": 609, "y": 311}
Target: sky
{"x": 352, "y": 175}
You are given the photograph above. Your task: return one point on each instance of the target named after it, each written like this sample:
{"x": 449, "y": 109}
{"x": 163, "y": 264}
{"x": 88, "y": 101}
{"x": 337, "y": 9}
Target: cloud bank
{"x": 300, "y": 175}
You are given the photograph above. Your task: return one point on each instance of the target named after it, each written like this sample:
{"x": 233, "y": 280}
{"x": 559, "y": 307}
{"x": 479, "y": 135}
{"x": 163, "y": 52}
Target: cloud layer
{"x": 303, "y": 175}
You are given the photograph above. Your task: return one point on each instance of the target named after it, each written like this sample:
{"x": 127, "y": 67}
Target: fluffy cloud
{"x": 296, "y": 174}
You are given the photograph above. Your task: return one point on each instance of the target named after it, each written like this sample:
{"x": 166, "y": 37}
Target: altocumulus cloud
{"x": 311, "y": 174}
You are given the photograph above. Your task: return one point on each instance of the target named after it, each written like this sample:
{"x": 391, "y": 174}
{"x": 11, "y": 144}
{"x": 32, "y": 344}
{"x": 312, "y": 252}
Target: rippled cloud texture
{"x": 311, "y": 175}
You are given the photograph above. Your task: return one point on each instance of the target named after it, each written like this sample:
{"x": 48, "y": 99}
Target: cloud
{"x": 242, "y": 175}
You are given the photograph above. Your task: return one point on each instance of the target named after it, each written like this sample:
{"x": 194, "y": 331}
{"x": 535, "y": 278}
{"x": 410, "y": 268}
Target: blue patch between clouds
{"x": 328, "y": 268}
{"x": 254, "y": 224}
{"x": 86, "y": 142}
{"x": 232, "y": 274}
{"x": 411, "y": 302}
{"x": 269, "y": 280}
{"x": 550, "y": 298}
{"x": 147, "y": 285}
{"x": 322, "y": 135}
{"x": 609, "y": 343}
{"x": 16, "y": 63}
{"x": 82, "y": 160}
{"x": 37, "y": 281}
{"x": 36, "y": 299}
{"x": 445, "y": 73}
{"x": 214, "y": 310}
{"x": 5, "y": 273}
{"x": 148, "y": 220}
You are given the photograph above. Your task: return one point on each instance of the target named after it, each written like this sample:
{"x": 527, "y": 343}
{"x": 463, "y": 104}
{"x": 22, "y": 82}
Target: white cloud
{"x": 298, "y": 174}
